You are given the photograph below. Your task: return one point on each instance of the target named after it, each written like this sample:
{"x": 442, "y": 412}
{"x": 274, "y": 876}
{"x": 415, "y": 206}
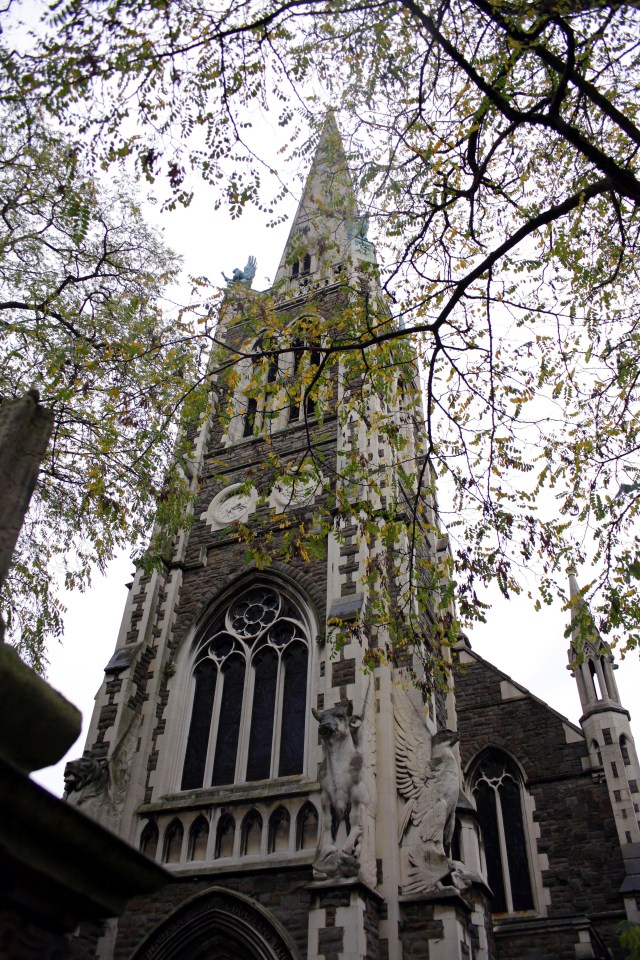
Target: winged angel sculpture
{"x": 428, "y": 778}
{"x": 245, "y": 277}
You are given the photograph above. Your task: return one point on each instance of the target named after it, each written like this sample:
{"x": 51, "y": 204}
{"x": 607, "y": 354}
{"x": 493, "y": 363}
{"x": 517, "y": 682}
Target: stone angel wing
{"x": 413, "y": 759}
{"x": 249, "y": 271}
{"x": 366, "y": 739}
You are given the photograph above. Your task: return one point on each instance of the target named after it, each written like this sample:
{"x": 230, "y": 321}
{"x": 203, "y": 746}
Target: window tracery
{"x": 249, "y": 699}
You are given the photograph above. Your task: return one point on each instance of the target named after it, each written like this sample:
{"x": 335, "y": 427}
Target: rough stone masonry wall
{"x": 572, "y": 809}
{"x": 142, "y": 671}
{"x": 337, "y": 906}
{"x": 422, "y": 930}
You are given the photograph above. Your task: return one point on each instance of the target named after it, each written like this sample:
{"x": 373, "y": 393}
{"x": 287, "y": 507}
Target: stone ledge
{"x": 223, "y": 796}
{"x": 345, "y": 883}
{"x": 445, "y": 896}
{"x": 272, "y": 863}
{"x": 77, "y": 865}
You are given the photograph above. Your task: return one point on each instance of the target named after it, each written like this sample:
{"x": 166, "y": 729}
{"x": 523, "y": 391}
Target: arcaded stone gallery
{"x": 307, "y": 809}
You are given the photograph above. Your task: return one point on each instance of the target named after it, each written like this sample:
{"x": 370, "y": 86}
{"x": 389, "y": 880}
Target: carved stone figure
{"x": 244, "y": 277}
{"x": 88, "y": 776}
{"x": 98, "y": 785}
{"x": 234, "y": 503}
{"x": 344, "y": 792}
{"x": 428, "y": 777}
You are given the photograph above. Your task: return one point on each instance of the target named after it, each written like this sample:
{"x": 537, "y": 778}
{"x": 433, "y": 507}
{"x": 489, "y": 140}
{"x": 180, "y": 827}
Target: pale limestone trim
{"x": 571, "y": 735}
{"x": 266, "y": 807}
{"x": 510, "y": 691}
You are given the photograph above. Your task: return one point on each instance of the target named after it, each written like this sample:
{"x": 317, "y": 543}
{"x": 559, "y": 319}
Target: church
{"x": 308, "y": 800}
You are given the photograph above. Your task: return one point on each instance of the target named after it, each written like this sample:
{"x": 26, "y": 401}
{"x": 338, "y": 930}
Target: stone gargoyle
{"x": 98, "y": 784}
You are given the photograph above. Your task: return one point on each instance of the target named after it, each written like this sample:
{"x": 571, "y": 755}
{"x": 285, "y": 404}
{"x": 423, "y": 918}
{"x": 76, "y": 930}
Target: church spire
{"x": 604, "y": 721}
{"x": 328, "y": 232}
{"x": 589, "y": 656}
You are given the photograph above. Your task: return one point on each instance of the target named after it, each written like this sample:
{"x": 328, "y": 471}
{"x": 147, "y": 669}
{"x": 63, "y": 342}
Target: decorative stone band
{"x": 214, "y": 920}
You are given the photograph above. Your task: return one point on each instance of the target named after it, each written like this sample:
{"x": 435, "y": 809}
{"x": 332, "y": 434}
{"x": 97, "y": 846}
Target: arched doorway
{"x": 218, "y": 925}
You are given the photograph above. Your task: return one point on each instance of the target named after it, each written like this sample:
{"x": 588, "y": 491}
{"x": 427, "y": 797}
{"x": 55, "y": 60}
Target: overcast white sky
{"x": 528, "y": 646}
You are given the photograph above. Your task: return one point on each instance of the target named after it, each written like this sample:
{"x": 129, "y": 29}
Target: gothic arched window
{"x": 624, "y": 750}
{"x": 149, "y": 840}
{"x": 225, "y": 836}
{"x": 497, "y": 788}
{"x": 304, "y": 356}
{"x": 251, "y": 836}
{"x": 249, "y": 693}
{"x": 307, "y": 828}
{"x": 173, "y": 842}
{"x": 597, "y": 753}
{"x": 257, "y": 404}
{"x": 198, "y": 839}
{"x": 279, "y": 824}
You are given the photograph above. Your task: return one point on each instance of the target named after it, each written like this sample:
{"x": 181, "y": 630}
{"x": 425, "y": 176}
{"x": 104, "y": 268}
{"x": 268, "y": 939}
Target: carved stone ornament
{"x": 298, "y": 491}
{"x": 428, "y": 778}
{"x": 97, "y": 785}
{"x": 234, "y": 504}
{"x": 87, "y": 776}
{"x": 344, "y": 792}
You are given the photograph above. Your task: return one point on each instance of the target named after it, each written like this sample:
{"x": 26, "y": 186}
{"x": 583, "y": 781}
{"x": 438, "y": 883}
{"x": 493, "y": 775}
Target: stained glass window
{"x": 294, "y": 705}
{"x": 205, "y": 688}
{"x": 498, "y": 793}
{"x": 224, "y": 766}
{"x": 262, "y": 714}
{"x": 249, "y": 693}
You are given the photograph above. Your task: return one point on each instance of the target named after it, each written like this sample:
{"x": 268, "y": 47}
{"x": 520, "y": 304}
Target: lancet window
{"x": 249, "y": 693}
{"x": 300, "y": 268}
{"x": 173, "y": 842}
{"x": 313, "y": 361}
{"x": 149, "y": 840}
{"x": 257, "y": 406}
{"x": 498, "y": 793}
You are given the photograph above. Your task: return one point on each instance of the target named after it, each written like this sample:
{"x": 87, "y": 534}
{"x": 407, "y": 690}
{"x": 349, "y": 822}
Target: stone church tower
{"x": 305, "y": 808}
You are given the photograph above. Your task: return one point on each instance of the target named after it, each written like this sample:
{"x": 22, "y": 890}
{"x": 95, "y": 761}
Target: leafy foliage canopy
{"x": 496, "y": 144}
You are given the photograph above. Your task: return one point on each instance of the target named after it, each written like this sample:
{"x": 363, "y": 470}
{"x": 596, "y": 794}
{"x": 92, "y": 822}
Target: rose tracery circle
{"x": 254, "y": 612}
